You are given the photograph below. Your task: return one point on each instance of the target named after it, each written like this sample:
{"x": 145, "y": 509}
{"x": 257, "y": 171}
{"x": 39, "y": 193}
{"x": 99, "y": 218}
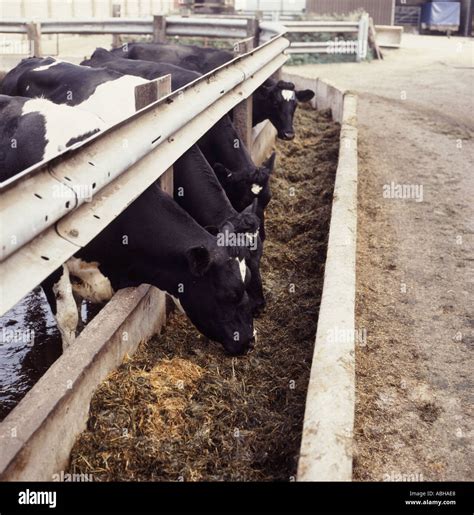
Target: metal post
{"x": 145, "y": 95}
{"x": 252, "y": 30}
{"x": 362, "y": 37}
{"x": 116, "y": 14}
{"x": 34, "y": 37}
{"x": 243, "y": 112}
{"x": 159, "y": 28}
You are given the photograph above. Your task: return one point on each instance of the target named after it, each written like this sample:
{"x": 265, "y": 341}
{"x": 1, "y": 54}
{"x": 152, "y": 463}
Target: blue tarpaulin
{"x": 441, "y": 14}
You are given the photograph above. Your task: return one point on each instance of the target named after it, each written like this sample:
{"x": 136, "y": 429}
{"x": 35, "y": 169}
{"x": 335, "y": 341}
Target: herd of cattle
{"x": 47, "y": 105}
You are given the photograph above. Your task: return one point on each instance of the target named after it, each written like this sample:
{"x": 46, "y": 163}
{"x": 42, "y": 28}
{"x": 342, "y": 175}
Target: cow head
{"x": 244, "y": 187}
{"x": 245, "y": 227}
{"x": 214, "y": 297}
{"x": 280, "y": 101}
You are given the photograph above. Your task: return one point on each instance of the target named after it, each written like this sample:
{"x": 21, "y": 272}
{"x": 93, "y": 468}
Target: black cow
{"x": 191, "y": 57}
{"x": 198, "y": 191}
{"x": 221, "y": 145}
{"x": 32, "y": 130}
{"x": 155, "y": 241}
{"x": 102, "y": 58}
{"x": 106, "y": 93}
{"x": 275, "y": 101}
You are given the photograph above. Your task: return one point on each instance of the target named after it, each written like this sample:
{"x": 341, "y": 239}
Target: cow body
{"x": 33, "y": 130}
{"x": 191, "y": 57}
{"x": 106, "y": 93}
{"x": 274, "y": 100}
{"x": 145, "y": 69}
{"x": 198, "y": 191}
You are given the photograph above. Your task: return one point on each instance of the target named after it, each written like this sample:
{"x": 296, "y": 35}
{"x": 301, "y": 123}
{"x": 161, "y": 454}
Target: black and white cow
{"x": 277, "y": 102}
{"x": 221, "y": 145}
{"x": 36, "y": 129}
{"x": 155, "y": 241}
{"x": 106, "y": 93}
{"x": 274, "y": 100}
{"x": 198, "y": 191}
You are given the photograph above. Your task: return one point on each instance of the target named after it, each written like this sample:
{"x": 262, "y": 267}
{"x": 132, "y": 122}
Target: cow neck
{"x": 227, "y": 146}
{"x": 203, "y": 193}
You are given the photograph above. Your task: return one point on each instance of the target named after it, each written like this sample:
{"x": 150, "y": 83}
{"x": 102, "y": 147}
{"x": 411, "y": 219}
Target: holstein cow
{"x": 155, "y": 241}
{"x": 36, "y": 129}
{"x": 106, "y": 93}
{"x": 221, "y": 145}
{"x": 198, "y": 191}
{"x": 274, "y": 100}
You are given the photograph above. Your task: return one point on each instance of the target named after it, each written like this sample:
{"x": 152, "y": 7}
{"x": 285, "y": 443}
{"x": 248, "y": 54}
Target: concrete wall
{"x": 326, "y": 447}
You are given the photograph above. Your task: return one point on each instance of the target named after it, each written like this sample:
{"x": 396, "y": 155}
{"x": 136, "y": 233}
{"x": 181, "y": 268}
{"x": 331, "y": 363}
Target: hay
{"x": 180, "y": 408}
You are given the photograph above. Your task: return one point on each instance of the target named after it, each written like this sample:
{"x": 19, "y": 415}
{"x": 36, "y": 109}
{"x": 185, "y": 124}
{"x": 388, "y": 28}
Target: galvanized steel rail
{"x": 219, "y": 27}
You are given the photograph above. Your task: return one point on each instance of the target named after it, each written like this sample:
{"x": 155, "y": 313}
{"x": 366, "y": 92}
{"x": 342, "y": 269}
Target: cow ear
{"x": 269, "y": 164}
{"x": 304, "y": 95}
{"x": 223, "y": 173}
{"x": 199, "y": 260}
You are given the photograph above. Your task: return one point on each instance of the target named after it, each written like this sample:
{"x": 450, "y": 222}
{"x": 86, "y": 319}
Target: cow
{"x": 154, "y": 241}
{"x": 273, "y": 100}
{"x": 191, "y": 57}
{"x": 240, "y": 178}
{"x": 106, "y": 93}
{"x": 221, "y": 145}
{"x": 53, "y": 128}
{"x": 102, "y": 58}
{"x": 198, "y": 191}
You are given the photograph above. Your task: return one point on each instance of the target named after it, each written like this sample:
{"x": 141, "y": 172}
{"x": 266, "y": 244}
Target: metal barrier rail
{"x": 174, "y": 26}
{"x": 53, "y": 227}
{"x": 220, "y": 27}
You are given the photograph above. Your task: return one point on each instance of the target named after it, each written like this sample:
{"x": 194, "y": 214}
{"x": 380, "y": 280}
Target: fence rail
{"x": 218, "y": 27}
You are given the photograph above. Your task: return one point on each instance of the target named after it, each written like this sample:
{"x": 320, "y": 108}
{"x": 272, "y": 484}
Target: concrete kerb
{"x": 326, "y": 447}
{"x": 37, "y": 436}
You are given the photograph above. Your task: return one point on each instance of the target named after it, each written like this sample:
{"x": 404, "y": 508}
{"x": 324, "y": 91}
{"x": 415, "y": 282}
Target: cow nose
{"x": 289, "y": 135}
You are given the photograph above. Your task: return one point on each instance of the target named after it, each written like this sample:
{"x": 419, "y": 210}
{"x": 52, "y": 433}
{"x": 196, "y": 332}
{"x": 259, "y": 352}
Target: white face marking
{"x": 288, "y": 94}
{"x": 256, "y": 189}
{"x": 94, "y": 286}
{"x": 178, "y": 304}
{"x": 62, "y": 123}
{"x": 47, "y": 66}
{"x": 66, "y": 316}
{"x": 242, "y": 268}
{"x": 255, "y": 334}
